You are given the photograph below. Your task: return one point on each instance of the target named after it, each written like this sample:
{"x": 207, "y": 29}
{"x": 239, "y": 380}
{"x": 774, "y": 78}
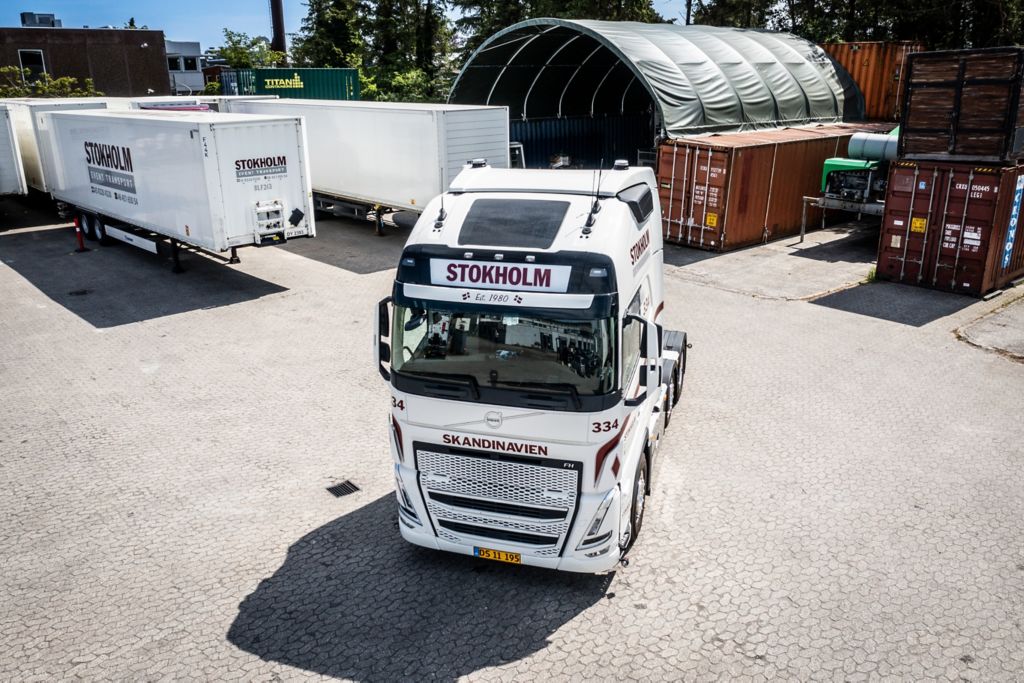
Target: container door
{"x": 960, "y": 248}
{"x": 674, "y": 166}
{"x": 693, "y": 181}
{"x": 910, "y": 223}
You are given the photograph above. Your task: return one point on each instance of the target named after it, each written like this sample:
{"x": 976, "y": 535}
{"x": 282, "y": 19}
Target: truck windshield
{"x": 495, "y": 349}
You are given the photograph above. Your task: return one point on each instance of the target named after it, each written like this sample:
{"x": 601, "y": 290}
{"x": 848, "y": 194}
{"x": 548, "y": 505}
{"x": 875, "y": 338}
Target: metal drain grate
{"x": 343, "y": 489}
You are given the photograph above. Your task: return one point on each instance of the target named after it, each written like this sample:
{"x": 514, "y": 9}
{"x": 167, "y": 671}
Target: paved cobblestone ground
{"x": 841, "y": 497}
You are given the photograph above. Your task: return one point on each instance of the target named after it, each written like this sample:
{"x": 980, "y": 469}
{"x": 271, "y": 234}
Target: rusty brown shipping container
{"x": 723, "y": 192}
{"x": 952, "y": 226}
{"x": 964, "y": 105}
{"x": 878, "y": 69}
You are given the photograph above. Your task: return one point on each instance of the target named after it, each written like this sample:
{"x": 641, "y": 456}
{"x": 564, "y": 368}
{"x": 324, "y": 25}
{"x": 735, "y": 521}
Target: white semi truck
{"x": 530, "y": 377}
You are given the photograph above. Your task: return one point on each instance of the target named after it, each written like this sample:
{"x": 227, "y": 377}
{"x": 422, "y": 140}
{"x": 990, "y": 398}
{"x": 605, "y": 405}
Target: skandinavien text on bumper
{"x": 531, "y": 380}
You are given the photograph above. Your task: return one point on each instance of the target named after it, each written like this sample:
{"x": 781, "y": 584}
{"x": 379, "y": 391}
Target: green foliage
{"x": 411, "y": 50}
{"x": 130, "y": 25}
{"x": 330, "y": 35}
{"x": 940, "y": 25}
{"x": 244, "y": 52}
{"x": 212, "y": 88}
{"x": 16, "y": 82}
{"x": 481, "y": 19}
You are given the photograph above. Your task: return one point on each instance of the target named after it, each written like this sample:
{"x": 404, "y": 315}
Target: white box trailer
{"x": 23, "y": 113}
{"x": 160, "y": 102}
{"x": 12, "y": 175}
{"x": 390, "y": 154}
{"x": 223, "y": 102}
{"x": 214, "y": 181}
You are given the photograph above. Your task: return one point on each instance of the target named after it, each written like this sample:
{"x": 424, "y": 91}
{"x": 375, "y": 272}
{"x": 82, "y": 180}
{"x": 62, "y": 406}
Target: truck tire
{"x": 679, "y": 375}
{"x": 85, "y": 225}
{"x": 670, "y": 398}
{"x": 638, "y": 504}
{"x": 99, "y": 229}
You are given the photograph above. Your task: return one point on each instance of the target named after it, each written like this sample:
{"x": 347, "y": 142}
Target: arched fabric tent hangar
{"x": 598, "y": 90}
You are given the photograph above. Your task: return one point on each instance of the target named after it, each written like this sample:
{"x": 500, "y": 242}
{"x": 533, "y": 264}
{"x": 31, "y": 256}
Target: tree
{"x": 402, "y": 48}
{"x": 244, "y": 52}
{"x": 331, "y": 35}
{"x": 939, "y": 25}
{"x": 130, "y": 25}
{"x": 480, "y": 19}
{"x": 16, "y": 82}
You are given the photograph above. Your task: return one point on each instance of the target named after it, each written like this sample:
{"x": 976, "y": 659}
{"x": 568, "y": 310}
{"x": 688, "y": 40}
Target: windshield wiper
{"x": 553, "y": 387}
{"x": 468, "y": 380}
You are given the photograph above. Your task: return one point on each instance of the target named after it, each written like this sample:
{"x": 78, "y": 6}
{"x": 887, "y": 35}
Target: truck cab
{"x": 530, "y": 377}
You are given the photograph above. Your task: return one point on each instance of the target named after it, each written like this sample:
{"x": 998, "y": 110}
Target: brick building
{"x": 121, "y": 62}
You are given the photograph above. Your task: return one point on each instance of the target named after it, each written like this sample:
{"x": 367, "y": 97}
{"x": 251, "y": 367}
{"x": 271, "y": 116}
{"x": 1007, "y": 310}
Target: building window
{"x": 174, "y": 63}
{"x": 191, "y": 63}
{"x": 33, "y": 61}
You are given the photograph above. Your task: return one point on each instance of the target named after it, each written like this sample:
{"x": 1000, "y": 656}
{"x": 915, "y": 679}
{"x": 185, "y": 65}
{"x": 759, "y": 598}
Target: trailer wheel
{"x": 85, "y": 225}
{"x": 638, "y": 504}
{"x": 99, "y": 230}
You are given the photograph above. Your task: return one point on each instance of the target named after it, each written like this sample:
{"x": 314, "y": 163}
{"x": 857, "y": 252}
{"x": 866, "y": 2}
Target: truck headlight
{"x": 406, "y": 511}
{"x": 591, "y": 538}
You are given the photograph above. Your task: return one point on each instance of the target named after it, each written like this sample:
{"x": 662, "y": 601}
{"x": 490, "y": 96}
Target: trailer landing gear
{"x": 174, "y": 255}
{"x": 234, "y": 256}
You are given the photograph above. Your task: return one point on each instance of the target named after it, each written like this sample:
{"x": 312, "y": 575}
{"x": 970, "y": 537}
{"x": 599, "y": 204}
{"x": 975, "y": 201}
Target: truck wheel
{"x": 85, "y": 225}
{"x": 670, "y": 399}
{"x": 638, "y": 504}
{"x": 679, "y": 374}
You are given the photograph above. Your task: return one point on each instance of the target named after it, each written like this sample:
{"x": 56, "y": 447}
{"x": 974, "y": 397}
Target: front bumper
{"x": 419, "y": 522}
{"x": 574, "y": 561}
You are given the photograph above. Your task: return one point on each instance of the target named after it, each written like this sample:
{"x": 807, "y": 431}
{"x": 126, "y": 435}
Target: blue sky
{"x": 201, "y": 20}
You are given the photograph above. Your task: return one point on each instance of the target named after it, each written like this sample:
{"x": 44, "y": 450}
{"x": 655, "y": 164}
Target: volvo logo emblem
{"x": 493, "y": 419}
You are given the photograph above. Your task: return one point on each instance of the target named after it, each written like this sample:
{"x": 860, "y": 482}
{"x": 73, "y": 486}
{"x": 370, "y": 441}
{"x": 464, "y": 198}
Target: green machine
{"x": 857, "y": 182}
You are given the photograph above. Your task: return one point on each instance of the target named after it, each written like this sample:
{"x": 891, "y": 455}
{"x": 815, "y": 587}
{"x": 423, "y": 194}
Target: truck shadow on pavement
{"x": 914, "y": 306}
{"x": 119, "y": 284}
{"x": 352, "y": 245}
{"x": 354, "y": 600}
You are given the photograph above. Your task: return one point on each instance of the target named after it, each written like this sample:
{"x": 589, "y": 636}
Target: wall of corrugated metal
{"x": 737, "y": 189}
{"x": 952, "y": 226}
{"x": 586, "y": 140}
{"x": 878, "y": 70}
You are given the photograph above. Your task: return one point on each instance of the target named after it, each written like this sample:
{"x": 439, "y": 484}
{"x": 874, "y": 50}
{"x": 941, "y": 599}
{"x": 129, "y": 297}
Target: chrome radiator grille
{"x": 498, "y": 497}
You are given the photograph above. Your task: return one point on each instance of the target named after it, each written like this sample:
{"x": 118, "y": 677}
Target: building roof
{"x": 699, "y": 78}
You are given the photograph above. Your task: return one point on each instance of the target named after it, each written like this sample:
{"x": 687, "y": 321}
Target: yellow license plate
{"x": 498, "y": 555}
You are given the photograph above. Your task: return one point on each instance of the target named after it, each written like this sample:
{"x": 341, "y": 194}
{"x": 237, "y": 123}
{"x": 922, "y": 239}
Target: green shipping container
{"x": 312, "y": 84}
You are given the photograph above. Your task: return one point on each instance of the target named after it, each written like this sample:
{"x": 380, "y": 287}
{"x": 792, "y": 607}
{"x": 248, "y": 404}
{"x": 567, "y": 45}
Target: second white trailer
{"x": 12, "y": 176}
{"x": 23, "y": 114}
{"x": 217, "y": 182}
{"x": 390, "y": 154}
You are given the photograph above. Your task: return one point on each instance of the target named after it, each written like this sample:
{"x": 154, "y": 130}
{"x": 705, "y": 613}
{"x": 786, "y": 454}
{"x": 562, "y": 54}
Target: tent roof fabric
{"x": 701, "y": 79}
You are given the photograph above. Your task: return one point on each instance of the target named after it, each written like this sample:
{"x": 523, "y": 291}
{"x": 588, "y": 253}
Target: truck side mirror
{"x": 382, "y": 349}
{"x": 644, "y": 342}
{"x": 650, "y": 345}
